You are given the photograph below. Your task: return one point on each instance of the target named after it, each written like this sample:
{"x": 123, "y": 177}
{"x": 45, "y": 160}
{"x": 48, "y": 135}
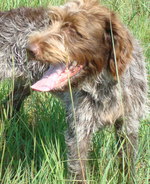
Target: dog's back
{"x": 15, "y": 26}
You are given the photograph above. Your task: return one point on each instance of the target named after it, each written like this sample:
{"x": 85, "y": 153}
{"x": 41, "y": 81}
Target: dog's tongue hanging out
{"x": 55, "y": 77}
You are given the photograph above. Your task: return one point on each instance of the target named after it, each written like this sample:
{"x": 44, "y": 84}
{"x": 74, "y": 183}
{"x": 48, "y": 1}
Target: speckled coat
{"x": 102, "y": 101}
{"x": 15, "y": 26}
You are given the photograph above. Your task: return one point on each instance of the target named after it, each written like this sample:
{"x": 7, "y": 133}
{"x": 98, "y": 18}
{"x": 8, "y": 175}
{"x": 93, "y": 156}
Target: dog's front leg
{"x": 14, "y": 100}
{"x": 78, "y": 139}
{"x": 127, "y": 135}
{"x": 78, "y": 146}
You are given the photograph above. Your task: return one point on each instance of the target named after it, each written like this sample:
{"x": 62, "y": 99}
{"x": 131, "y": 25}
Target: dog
{"x": 89, "y": 49}
{"x": 91, "y": 52}
{"x": 15, "y": 26}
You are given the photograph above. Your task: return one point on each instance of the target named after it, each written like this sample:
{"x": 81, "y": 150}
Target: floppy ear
{"x": 120, "y": 45}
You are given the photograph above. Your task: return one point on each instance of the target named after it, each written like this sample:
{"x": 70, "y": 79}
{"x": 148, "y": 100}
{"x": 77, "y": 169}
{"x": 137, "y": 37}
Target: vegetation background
{"x": 32, "y": 147}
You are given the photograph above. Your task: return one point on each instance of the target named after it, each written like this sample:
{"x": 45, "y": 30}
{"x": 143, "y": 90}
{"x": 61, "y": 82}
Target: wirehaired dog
{"x": 15, "y": 26}
{"x": 89, "y": 46}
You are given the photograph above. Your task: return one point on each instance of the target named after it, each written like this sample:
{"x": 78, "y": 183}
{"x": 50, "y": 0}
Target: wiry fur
{"x": 81, "y": 31}
{"x": 15, "y": 27}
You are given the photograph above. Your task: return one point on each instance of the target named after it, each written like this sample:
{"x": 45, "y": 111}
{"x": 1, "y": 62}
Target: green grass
{"x": 32, "y": 146}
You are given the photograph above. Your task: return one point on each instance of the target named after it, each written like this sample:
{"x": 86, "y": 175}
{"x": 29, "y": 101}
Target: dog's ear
{"x": 119, "y": 45}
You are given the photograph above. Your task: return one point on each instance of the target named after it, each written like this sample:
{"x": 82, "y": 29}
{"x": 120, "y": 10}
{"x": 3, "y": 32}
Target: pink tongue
{"x": 55, "y": 77}
{"x": 50, "y": 79}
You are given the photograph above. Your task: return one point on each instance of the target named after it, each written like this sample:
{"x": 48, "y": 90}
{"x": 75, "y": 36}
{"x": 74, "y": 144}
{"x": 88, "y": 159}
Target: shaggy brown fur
{"x": 79, "y": 44}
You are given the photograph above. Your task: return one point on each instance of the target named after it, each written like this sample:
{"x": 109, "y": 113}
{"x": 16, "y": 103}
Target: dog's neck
{"x": 99, "y": 86}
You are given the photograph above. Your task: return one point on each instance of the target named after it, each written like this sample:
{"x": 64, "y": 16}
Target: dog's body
{"x": 101, "y": 102}
{"x": 15, "y": 27}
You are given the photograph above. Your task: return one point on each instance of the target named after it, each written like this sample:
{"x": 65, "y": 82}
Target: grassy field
{"x": 32, "y": 147}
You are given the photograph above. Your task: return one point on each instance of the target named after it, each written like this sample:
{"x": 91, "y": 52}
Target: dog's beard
{"x": 57, "y": 77}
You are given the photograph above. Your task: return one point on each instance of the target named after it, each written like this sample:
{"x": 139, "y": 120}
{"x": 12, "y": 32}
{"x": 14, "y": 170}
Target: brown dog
{"x": 88, "y": 44}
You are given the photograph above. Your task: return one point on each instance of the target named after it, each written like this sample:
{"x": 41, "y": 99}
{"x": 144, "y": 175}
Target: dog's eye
{"x": 74, "y": 30}
{"x": 71, "y": 29}
{"x": 79, "y": 34}
{"x": 50, "y": 22}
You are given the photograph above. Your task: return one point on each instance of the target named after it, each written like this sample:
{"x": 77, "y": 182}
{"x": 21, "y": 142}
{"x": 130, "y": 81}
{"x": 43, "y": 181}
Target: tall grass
{"x": 32, "y": 146}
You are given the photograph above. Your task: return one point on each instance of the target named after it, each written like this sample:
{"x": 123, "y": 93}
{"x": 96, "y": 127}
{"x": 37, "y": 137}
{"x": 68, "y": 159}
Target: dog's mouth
{"x": 57, "y": 76}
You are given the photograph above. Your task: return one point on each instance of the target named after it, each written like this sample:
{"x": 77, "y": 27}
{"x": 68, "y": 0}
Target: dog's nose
{"x": 32, "y": 49}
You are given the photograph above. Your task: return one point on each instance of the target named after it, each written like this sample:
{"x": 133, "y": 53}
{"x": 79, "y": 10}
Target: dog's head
{"x": 83, "y": 38}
